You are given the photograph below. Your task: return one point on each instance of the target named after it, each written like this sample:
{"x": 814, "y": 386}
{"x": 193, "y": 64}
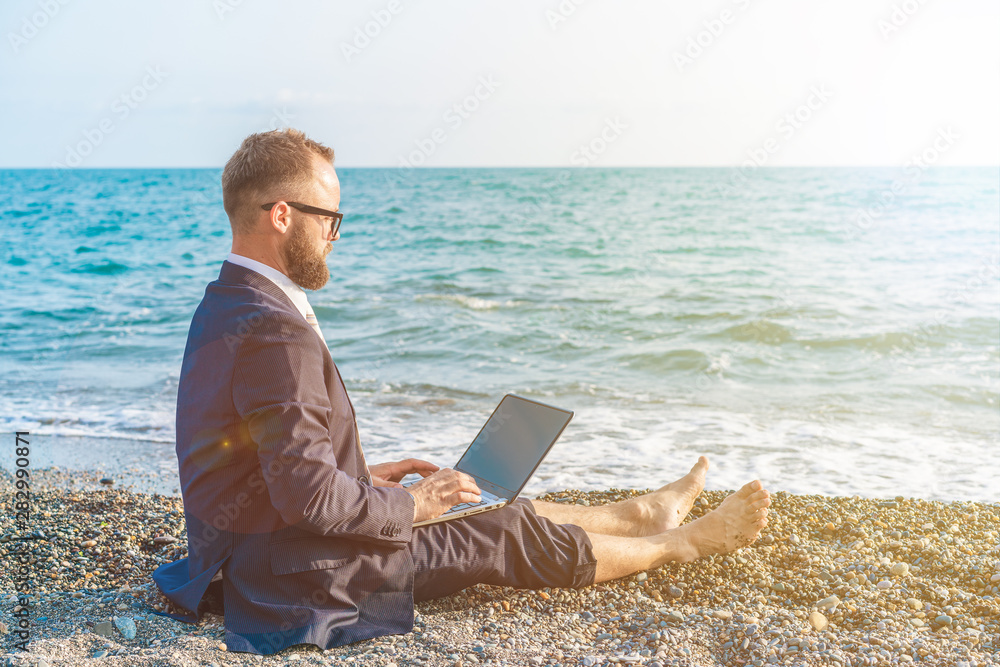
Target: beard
{"x": 305, "y": 262}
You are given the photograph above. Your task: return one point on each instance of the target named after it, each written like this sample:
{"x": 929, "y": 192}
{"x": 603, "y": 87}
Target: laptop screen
{"x": 513, "y": 442}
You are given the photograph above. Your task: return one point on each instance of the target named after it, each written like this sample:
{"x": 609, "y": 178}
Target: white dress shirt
{"x": 294, "y": 292}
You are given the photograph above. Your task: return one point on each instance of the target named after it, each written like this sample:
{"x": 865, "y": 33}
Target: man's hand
{"x": 389, "y": 474}
{"x": 434, "y": 494}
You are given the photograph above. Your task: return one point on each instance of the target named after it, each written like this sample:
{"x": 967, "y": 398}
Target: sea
{"x": 828, "y": 331}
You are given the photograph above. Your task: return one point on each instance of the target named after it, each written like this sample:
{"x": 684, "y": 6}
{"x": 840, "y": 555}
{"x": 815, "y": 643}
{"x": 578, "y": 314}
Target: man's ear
{"x": 280, "y": 217}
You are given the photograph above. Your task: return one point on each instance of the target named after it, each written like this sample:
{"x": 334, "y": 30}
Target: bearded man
{"x": 291, "y": 532}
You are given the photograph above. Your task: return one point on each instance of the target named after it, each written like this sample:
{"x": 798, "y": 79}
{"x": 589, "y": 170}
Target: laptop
{"x": 506, "y": 453}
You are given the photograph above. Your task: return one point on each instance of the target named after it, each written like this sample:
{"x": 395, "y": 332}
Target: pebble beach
{"x": 844, "y": 581}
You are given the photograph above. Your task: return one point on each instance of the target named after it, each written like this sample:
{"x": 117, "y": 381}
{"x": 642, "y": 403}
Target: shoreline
{"x": 914, "y": 580}
{"x": 150, "y": 466}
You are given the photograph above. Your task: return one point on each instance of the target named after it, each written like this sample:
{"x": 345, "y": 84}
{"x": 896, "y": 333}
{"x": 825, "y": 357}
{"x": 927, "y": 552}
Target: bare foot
{"x": 666, "y": 507}
{"x": 734, "y": 524}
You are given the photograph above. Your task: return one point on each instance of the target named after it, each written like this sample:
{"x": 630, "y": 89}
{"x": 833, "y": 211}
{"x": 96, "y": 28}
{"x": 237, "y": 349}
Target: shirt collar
{"x": 294, "y": 292}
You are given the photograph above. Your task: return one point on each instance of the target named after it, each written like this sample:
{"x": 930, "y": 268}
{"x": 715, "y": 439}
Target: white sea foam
{"x": 472, "y": 302}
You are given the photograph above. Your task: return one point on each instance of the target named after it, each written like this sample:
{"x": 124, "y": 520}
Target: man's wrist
{"x": 414, "y": 504}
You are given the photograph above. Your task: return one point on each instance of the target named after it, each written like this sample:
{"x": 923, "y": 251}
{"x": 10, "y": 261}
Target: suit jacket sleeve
{"x": 280, "y": 392}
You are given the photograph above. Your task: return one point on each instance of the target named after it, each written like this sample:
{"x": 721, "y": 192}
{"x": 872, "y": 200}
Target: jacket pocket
{"x": 303, "y": 555}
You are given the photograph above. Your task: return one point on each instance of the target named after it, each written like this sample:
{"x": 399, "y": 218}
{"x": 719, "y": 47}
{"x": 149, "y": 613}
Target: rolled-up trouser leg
{"x": 511, "y": 546}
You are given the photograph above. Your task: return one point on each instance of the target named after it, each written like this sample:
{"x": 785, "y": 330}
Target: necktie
{"x": 314, "y": 323}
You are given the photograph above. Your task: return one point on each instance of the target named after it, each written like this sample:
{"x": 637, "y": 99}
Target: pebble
{"x": 675, "y": 592}
{"x": 103, "y": 628}
{"x": 899, "y": 569}
{"x": 818, "y": 621}
{"x": 107, "y": 481}
{"x": 941, "y": 621}
{"x": 126, "y": 626}
{"x": 828, "y": 602}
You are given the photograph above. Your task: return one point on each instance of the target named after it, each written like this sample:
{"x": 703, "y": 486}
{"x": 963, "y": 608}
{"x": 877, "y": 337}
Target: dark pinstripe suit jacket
{"x": 275, "y": 488}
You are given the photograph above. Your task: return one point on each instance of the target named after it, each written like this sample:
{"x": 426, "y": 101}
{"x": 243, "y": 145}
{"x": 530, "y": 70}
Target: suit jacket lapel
{"x": 236, "y": 274}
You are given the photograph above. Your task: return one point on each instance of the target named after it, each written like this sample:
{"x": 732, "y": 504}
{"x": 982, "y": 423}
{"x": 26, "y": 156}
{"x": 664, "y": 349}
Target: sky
{"x": 582, "y": 83}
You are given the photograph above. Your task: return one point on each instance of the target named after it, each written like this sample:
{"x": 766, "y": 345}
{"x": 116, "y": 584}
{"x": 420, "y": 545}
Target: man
{"x": 302, "y": 540}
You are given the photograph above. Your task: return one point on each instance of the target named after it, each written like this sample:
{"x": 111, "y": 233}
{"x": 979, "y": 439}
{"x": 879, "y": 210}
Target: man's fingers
{"x": 466, "y": 483}
{"x": 418, "y": 465}
{"x": 470, "y": 484}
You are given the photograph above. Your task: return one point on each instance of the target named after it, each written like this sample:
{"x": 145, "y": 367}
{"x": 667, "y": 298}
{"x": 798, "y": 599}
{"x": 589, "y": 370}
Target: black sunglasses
{"x": 306, "y": 208}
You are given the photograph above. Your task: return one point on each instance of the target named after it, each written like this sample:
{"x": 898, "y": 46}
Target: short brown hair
{"x": 267, "y": 164}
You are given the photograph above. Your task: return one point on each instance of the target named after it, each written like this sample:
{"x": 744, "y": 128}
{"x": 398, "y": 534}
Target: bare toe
{"x": 760, "y": 504}
{"x": 701, "y": 467}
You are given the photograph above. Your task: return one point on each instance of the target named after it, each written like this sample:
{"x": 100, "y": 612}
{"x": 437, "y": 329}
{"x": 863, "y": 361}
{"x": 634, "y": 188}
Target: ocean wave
{"x": 470, "y": 302}
{"x": 887, "y": 341}
{"x": 108, "y": 268}
{"x": 758, "y": 331}
{"x": 672, "y": 360}
{"x": 96, "y": 424}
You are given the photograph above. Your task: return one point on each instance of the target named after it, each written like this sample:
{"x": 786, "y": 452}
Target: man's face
{"x": 309, "y": 240}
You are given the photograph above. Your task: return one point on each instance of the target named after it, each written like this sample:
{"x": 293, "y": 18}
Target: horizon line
{"x": 571, "y": 167}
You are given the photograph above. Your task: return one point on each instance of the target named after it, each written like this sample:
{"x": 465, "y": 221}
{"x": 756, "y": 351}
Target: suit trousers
{"x": 512, "y": 546}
